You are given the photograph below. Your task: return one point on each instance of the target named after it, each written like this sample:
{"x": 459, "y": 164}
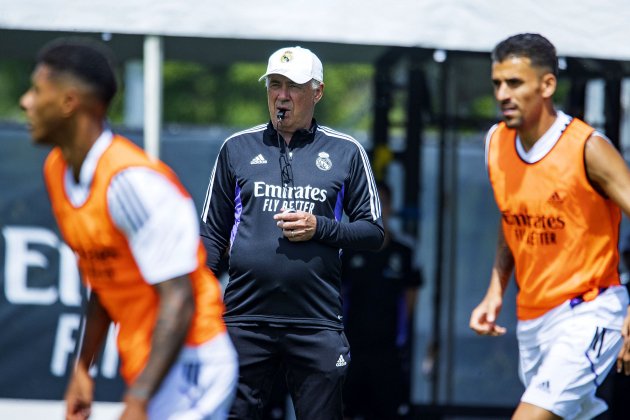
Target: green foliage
{"x": 15, "y": 79}
{"x": 247, "y": 96}
{"x": 232, "y": 95}
{"x": 562, "y": 91}
{"x": 484, "y": 107}
{"x": 189, "y": 93}
{"x": 347, "y": 100}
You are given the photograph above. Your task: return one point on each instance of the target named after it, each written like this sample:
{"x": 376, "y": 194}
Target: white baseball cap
{"x": 297, "y": 63}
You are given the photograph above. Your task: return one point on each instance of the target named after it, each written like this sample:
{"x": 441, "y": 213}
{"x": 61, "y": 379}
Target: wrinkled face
{"x": 521, "y": 90}
{"x": 42, "y": 103}
{"x": 298, "y": 100}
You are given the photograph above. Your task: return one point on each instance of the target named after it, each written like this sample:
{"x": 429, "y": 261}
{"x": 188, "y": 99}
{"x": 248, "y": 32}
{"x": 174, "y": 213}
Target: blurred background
{"x": 409, "y": 79}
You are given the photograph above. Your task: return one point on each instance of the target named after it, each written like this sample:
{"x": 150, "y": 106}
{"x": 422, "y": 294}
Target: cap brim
{"x": 297, "y": 78}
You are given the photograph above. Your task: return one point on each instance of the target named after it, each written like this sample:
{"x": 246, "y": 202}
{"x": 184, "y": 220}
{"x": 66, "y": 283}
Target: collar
{"x": 300, "y": 137}
{"x": 91, "y": 159}
{"x": 546, "y": 142}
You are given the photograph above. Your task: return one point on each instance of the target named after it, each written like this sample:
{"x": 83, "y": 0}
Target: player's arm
{"x": 364, "y": 229}
{"x": 483, "y": 317}
{"x": 80, "y": 391}
{"x": 161, "y": 226}
{"x": 173, "y": 321}
{"x": 217, "y": 216}
{"x": 608, "y": 171}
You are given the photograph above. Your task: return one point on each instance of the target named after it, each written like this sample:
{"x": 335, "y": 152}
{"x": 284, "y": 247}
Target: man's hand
{"x": 483, "y": 317}
{"x": 135, "y": 408}
{"x": 623, "y": 358}
{"x": 298, "y": 226}
{"x": 79, "y": 395}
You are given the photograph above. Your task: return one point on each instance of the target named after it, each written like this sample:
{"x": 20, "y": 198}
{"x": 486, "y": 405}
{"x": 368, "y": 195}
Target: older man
{"x": 275, "y": 204}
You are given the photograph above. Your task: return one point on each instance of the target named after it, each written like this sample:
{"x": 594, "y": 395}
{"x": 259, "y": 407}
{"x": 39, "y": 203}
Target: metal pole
{"x": 436, "y": 346}
{"x": 413, "y": 150}
{"x": 612, "y": 108}
{"x": 153, "y": 59}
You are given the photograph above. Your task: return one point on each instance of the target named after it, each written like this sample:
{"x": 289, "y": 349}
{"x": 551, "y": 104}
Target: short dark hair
{"x": 88, "y": 60}
{"x": 536, "y": 47}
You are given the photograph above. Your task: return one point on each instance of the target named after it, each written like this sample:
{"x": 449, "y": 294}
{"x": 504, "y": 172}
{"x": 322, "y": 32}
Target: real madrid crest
{"x": 323, "y": 161}
{"x": 286, "y": 57}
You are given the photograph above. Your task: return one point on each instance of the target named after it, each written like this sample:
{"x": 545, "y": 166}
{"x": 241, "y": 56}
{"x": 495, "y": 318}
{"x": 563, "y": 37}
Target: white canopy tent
{"x": 584, "y": 28}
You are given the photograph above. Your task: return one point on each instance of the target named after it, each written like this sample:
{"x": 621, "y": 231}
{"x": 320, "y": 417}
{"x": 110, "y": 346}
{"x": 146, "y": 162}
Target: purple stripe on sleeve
{"x": 238, "y": 210}
{"x": 339, "y": 204}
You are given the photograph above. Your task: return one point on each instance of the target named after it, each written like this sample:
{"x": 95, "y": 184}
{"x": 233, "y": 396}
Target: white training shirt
{"x": 159, "y": 223}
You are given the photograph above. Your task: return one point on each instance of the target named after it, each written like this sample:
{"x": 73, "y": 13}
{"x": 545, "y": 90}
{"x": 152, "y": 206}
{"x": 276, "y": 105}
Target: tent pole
{"x": 153, "y": 61}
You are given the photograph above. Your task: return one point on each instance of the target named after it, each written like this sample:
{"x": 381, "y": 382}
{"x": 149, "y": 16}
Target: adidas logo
{"x": 341, "y": 361}
{"x": 543, "y": 386}
{"x": 555, "y": 198}
{"x": 258, "y": 160}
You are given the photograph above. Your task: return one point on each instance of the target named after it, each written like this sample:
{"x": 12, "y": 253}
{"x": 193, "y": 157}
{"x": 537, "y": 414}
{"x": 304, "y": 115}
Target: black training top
{"x": 273, "y": 280}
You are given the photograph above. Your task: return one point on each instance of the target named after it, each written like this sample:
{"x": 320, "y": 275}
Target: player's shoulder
{"x": 328, "y": 132}
{"x": 582, "y": 129}
{"x": 599, "y": 136}
{"x": 493, "y": 129}
{"x": 339, "y": 140}
{"x": 249, "y": 134}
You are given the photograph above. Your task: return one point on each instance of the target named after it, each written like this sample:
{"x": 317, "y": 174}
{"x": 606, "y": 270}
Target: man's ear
{"x": 319, "y": 93}
{"x": 70, "y": 101}
{"x": 549, "y": 84}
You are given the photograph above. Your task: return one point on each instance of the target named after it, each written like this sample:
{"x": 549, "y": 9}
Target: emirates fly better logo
{"x": 534, "y": 229}
{"x": 300, "y": 198}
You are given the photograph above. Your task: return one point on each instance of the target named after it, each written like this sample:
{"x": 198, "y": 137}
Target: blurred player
{"x": 134, "y": 230}
{"x": 283, "y": 299}
{"x": 559, "y": 185}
